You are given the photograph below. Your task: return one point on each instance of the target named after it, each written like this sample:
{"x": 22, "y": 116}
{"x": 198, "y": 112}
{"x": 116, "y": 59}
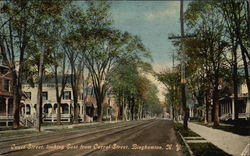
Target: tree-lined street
{"x": 129, "y": 138}
{"x": 124, "y": 78}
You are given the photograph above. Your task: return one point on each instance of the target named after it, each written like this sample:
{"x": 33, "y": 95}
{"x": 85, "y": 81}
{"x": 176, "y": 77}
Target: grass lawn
{"x": 6, "y": 128}
{"x": 55, "y": 123}
{"x": 206, "y": 149}
{"x": 198, "y": 149}
{"x": 184, "y": 132}
{"x": 17, "y": 133}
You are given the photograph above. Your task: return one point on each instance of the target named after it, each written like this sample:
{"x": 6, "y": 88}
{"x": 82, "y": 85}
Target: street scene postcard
{"x": 124, "y": 78}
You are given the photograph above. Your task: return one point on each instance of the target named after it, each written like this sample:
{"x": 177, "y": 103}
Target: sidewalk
{"x": 231, "y": 143}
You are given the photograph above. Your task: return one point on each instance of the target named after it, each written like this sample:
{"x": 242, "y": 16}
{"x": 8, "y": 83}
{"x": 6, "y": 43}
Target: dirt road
{"x": 148, "y": 137}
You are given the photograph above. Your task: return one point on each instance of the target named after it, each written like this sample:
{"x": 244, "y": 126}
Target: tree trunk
{"x": 58, "y": 111}
{"x": 132, "y": 108}
{"x": 125, "y": 115}
{"x": 120, "y": 112}
{"x": 216, "y": 102}
{"x": 99, "y": 111}
{"x": 16, "y": 101}
{"x": 120, "y": 108}
{"x": 185, "y": 111}
{"x": 76, "y": 109}
{"x": 39, "y": 93}
{"x": 235, "y": 82}
{"x": 173, "y": 113}
{"x": 208, "y": 107}
{"x": 248, "y": 20}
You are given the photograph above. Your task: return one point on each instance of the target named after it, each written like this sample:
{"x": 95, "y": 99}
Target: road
{"x": 142, "y": 138}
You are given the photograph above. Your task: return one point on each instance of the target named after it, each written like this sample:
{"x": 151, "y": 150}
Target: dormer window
{"x": 67, "y": 95}
{"x": 45, "y": 95}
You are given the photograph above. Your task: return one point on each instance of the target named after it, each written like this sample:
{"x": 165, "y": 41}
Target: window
{"x": 67, "y": 95}
{"x": 6, "y": 85}
{"x": 28, "y": 110}
{"x": 45, "y": 95}
{"x": 82, "y": 96}
{"x": 65, "y": 108}
{"x": 28, "y": 94}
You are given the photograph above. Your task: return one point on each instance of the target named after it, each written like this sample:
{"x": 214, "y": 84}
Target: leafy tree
{"x": 172, "y": 82}
{"x": 236, "y": 16}
{"x": 131, "y": 88}
{"x": 102, "y": 47}
{"x": 208, "y": 25}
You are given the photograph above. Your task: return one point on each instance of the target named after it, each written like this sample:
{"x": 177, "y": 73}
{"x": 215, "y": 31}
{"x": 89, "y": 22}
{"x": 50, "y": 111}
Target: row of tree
{"x": 72, "y": 42}
{"x": 216, "y": 55}
{"x": 136, "y": 94}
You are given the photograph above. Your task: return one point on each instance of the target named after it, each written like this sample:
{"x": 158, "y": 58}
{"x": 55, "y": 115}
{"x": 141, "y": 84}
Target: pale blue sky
{"x": 152, "y": 21}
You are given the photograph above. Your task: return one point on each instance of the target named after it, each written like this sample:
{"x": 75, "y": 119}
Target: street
{"x": 147, "y": 137}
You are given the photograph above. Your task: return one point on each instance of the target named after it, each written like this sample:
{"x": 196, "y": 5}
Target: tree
{"x": 172, "y": 82}
{"x": 23, "y": 29}
{"x": 208, "y": 25}
{"x": 237, "y": 17}
{"x": 102, "y": 47}
{"x": 73, "y": 54}
{"x": 131, "y": 87}
{"x": 15, "y": 36}
{"x": 59, "y": 65}
{"x": 45, "y": 43}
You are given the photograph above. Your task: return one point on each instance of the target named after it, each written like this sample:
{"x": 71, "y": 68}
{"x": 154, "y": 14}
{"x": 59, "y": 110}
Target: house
{"x": 49, "y": 105}
{"x": 227, "y": 105}
{"x": 6, "y": 95}
{"x": 86, "y": 103}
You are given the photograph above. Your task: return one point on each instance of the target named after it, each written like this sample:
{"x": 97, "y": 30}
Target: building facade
{"x": 227, "y": 105}
{"x": 87, "y": 106}
{"x": 6, "y": 96}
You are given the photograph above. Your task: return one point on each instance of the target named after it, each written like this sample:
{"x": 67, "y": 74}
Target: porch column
{"x": 233, "y": 111}
{"x": 222, "y": 109}
{"x": 7, "y": 106}
{"x": 69, "y": 108}
{"x": 226, "y": 107}
{"x": 248, "y": 106}
{"x": 52, "y": 112}
{"x": 25, "y": 110}
{"x": 80, "y": 109}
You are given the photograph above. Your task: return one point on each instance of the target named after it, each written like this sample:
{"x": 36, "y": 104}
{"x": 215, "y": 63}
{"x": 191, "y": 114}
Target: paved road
{"x": 149, "y": 137}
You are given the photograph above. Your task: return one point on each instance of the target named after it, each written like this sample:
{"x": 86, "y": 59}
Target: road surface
{"x": 142, "y": 138}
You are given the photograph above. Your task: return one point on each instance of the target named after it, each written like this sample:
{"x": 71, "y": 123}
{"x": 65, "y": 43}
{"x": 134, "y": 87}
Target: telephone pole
{"x": 183, "y": 80}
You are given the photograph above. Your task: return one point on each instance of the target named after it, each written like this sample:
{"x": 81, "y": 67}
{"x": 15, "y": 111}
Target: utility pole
{"x": 183, "y": 81}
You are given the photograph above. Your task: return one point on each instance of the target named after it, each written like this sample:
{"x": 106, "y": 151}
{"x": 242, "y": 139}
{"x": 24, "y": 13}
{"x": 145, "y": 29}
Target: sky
{"x": 153, "y": 22}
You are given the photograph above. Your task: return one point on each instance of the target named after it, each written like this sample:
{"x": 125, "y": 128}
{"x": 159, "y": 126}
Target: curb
{"x": 186, "y": 144}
